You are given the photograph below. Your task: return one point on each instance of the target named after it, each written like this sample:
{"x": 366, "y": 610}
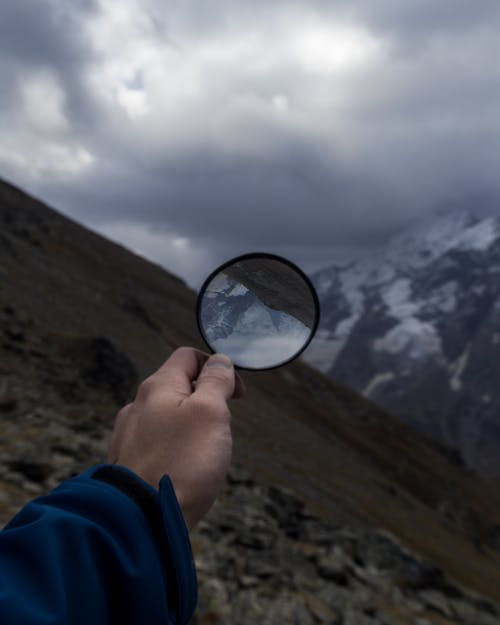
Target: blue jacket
{"x": 102, "y": 548}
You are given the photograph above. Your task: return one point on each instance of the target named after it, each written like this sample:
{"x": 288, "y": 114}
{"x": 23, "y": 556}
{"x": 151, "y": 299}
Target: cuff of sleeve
{"x": 167, "y": 522}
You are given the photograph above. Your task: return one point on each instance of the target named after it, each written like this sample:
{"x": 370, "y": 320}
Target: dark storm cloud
{"x": 300, "y": 199}
{"x": 426, "y": 18}
{"x": 38, "y": 33}
{"x": 404, "y": 21}
{"x": 239, "y": 148}
{"x": 46, "y": 35}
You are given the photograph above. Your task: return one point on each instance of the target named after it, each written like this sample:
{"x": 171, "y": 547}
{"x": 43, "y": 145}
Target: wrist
{"x": 132, "y": 485}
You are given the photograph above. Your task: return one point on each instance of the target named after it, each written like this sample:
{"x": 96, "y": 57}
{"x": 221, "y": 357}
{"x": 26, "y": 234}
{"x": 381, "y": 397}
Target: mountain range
{"x": 335, "y": 511}
{"x": 415, "y": 326}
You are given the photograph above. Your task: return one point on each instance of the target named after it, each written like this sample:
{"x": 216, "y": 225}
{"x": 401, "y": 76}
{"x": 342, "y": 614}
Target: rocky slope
{"x": 335, "y": 512}
{"x": 416, "y": 328}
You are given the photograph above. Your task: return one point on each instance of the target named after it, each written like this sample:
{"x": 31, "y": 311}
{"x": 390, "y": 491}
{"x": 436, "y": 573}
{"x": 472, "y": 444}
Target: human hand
{"x": 172, "y": 429}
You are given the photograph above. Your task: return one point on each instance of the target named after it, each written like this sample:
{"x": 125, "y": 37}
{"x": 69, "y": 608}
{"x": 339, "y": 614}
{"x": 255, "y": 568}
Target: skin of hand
{"x": 179, "y": 425}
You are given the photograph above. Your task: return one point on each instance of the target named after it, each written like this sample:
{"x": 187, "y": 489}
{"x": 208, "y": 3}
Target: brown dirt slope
{"x": 83, "y": 319}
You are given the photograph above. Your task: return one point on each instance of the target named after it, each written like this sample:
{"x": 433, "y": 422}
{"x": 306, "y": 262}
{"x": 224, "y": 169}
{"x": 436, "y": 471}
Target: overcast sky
{"x": 193, "y": 131}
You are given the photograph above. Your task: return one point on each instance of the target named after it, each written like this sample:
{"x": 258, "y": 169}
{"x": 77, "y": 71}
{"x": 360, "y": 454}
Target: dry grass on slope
{"x": 64, "y": 288}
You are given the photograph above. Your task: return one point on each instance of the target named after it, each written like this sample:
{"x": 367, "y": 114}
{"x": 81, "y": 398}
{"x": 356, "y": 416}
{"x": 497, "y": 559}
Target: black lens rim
{"x": 269, "y": 256}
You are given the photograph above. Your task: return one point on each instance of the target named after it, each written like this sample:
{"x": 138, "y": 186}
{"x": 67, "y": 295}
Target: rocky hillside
{"x": 334, "y": 512}
{"x": 416, "y": 328}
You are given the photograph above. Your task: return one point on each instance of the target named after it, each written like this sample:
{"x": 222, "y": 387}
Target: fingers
{"x": 239, "y": 387}
{"x": 179, "y": 371}
{"x": 217, "y": 378}
{"x": 117, "y": 434}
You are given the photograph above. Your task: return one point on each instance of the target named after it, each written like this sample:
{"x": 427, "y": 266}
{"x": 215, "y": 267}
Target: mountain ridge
{"x": 83, "y": 321}
{"x": 414, "y": 327}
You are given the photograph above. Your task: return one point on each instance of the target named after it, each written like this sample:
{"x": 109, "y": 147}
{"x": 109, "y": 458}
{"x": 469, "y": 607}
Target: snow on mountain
{"x": 389, "y": 271}
{"x": 239, "y": 324}
{"x": 414, "y": 323}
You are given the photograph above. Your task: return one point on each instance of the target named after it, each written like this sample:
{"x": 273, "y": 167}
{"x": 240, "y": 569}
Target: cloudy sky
{"x": 193, "y": 131}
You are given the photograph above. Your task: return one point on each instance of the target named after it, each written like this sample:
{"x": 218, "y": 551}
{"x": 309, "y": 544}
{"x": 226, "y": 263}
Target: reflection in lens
{"x": 239, "y": 324}
{"x": 260, "y": 310}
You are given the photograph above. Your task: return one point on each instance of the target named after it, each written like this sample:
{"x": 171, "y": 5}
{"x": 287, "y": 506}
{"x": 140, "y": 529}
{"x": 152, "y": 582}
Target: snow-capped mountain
{"x": 238, "y": 323}
{"x": 416, "y": 327}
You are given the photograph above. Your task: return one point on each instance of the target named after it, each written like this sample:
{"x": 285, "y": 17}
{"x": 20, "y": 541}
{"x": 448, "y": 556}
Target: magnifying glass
{"x": 259, "y": 309}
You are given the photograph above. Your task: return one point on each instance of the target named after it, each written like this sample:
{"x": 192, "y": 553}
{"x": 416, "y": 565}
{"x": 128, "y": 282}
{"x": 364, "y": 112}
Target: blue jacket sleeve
{"x": 102, "y": 548}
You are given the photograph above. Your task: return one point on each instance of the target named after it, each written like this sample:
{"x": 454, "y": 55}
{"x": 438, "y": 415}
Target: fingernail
{"x": 220, "y": 361}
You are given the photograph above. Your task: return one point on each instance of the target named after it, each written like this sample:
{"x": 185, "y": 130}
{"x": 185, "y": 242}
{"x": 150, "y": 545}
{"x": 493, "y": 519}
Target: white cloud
{"x": 224, "y": 88}
{"x": 47, "y": 159}
{"x": 280, "y": 102}
{"x": 37, "y": 142}
{"x": 133, "y": 101}
{"x": 332, "y": 47}
{"x": 43, "y": 102}
{"x": 296, "y": 124}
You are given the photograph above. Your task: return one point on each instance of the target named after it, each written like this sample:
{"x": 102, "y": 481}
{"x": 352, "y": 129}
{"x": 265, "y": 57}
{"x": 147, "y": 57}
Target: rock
{"x": 13, "y": 477}
{"x": 33, "y": 470}
{"x": 435, "y": 601}
{"x": 239, "y": 475}
{"x": 289, "y": 609}
{"x": 249, "y": 609}
{"x": 15, "y": 333}
{"x": 7, "y": 404}
{"x": 32, "y": 488}
{"x": 287, "y": 510}
{"x": 408, "y": 602}
{"x": 355, "y": 617}
{"x": 321, "y": 611}
{"x": 263, "y": 568}
{"x": 111, "y": 370}
{"x": 248, "y": 581}
{"x": 469, "y": 613}
{"x": 318, "y": 533}
{"x": 258, "y": 540}
{"x": 302, "y": 581}
{"x": 302, "y": 616}
{"x": 213, "y": 596}
{"x": 411, "y": 575}
{"x": 333, "y": 574}
{"x": 335, "y": 597}
{"x": 335, "y": 567}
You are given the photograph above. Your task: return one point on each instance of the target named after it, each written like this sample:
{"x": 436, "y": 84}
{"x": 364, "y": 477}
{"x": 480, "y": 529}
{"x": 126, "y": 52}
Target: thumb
{"x": 217, "y": 377}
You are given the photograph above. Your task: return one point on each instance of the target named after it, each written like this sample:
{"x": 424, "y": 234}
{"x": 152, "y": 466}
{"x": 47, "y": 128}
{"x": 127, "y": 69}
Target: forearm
{"x": 103, "y": 547}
